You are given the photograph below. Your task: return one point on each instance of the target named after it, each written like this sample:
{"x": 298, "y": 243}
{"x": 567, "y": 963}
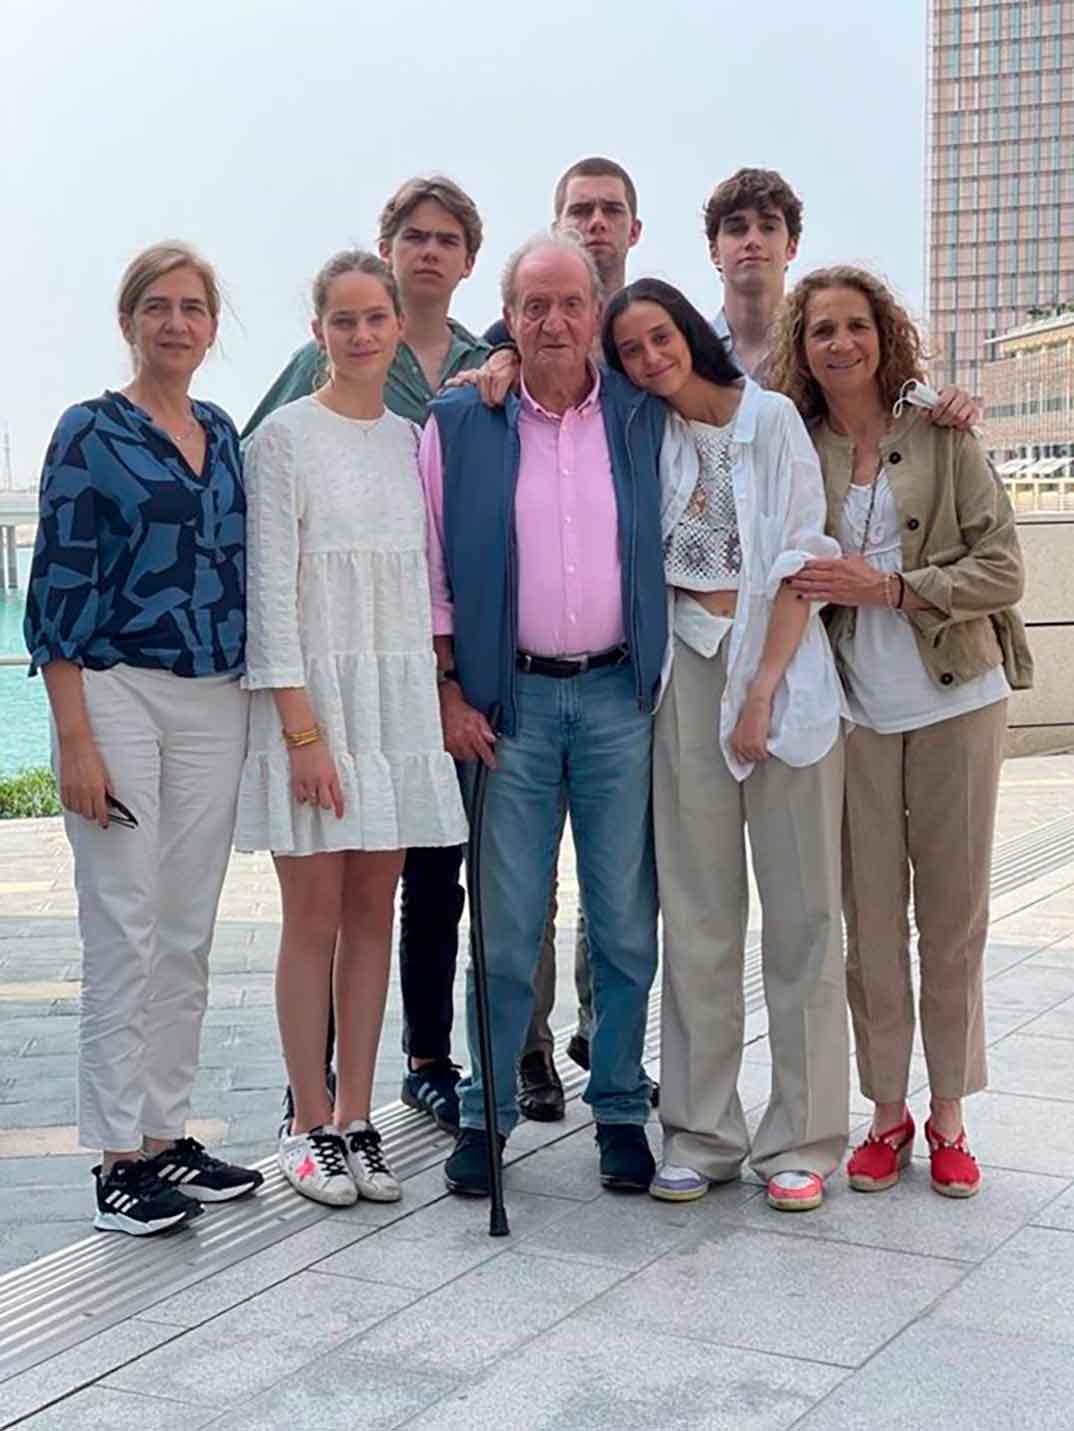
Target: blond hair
{"x": 155, "y": 262}
{"x": 901, "y": 353}
{"x": 353, "y": 260}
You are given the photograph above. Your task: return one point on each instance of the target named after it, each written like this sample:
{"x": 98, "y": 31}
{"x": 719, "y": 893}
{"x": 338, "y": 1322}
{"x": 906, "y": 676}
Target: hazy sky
{"x": 269, "y": 134}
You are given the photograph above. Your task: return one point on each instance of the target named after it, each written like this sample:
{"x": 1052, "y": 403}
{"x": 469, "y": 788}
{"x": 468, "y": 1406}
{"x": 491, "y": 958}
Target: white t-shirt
{"x": 888, "y": 684}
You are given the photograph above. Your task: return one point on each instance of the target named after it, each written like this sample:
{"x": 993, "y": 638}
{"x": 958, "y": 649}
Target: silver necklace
{"x": 869, "y": 516}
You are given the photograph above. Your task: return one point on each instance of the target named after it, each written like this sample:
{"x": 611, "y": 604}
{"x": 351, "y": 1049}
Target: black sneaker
{"x": 433, "y": 1089}
{"x": 197, "y": 1174}
{"x": 467, "y": 1170}
{"x": 132, "y": 1198}
{"x": 626, "y": 1160}
{"x": 288, "y": 1111}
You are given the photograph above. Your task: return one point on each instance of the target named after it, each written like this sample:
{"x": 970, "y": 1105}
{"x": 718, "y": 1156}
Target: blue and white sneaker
{"x": 674, "y": 1184}
{"x": 433, "y": 1089}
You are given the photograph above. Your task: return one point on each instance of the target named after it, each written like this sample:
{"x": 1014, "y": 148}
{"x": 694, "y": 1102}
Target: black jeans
{"x": 432, "y": 906}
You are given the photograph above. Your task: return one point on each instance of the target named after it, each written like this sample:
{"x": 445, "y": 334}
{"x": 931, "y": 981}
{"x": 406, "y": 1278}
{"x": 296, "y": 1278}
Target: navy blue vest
{"x": 481, "y": 451}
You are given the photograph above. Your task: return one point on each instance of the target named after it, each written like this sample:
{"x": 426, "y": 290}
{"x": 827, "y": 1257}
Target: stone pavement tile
{"x": 254, "y": 1274}
{"x": 1056, "y": 1023}
{"x": 267, "y": 1073}
{"x": 1059, "y": 1213}
{"x": 1033, "y": 1135}
{"x": 24, "y": 1242}
{"x": 44, "y": 1172}
{"x": 1000, "y": 954}
{"x": 70, "y": 1203}
{"x": 589, "y": 1376}
{"x": 1025, "y": 1289}
{"x": 734, "y": 1285}
{"x": 96, "y": 1407}
{"x": 564, "y": 1169}
{"x": 442, "y": 1242}
{"x": 1035, "y": 1067}
{"x": 342, "y": 1392}
{"x": 63, "y": 1138}
{"x": 933, "y": 1376}
{"x": 1030, "y": 988}
{"x": 78, "y": 1366}
{"x": 910, "y": 1217}
{"x": 630, "y": 1232}
{"x": 491, "y": 1311}
{"x": 1056, "y": 956}
{"x": 40, "y": 1112}
{"x": 227, "y": 1360}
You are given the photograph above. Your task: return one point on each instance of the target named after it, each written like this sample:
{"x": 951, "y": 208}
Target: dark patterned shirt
{"x": 137, "y": 559}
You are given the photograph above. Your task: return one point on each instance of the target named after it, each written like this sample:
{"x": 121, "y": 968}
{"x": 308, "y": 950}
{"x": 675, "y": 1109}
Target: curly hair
{"x": 901, "y": 353}
{"x": 753, "y": 189}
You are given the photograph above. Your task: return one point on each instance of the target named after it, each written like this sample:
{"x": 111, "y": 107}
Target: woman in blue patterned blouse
{"x": 136, "y": 618}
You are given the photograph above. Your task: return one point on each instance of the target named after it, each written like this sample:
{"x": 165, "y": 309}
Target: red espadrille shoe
{"x": 875, "y": 1165}
{"x": 954, "y": 1169}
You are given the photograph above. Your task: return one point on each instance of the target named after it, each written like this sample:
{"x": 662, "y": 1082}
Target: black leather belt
{"x": 563, "y": 669}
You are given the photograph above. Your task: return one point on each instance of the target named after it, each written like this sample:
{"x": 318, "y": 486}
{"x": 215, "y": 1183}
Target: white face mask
{"x": 919, "y": 395}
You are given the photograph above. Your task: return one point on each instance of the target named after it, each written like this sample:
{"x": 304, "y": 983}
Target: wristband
{"x": 449, "y": 673}
{"x": 902, "y": 590}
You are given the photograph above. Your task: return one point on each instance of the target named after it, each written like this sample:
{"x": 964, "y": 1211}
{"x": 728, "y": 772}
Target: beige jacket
{"x": 960, "y": 550}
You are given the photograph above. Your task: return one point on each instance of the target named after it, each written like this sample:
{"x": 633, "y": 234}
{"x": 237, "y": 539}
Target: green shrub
{"x": 30, "y": 793}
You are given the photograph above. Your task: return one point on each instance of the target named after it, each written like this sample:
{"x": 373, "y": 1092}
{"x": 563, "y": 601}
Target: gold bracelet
{"x": 890, "y": 590}
{"x": 296, "y": 738}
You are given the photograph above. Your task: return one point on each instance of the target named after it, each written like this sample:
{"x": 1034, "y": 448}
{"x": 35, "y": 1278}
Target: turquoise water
{"x": 24, "y": 737}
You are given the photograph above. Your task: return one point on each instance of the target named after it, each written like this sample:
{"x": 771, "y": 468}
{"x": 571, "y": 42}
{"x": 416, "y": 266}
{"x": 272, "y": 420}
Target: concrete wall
{"x": 1043, "y": 719}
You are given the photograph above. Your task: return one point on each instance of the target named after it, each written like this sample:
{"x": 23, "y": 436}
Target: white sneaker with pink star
{"x": 315, "y": 1164}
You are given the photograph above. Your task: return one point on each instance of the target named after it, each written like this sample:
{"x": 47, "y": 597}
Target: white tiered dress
{"x": 338, "y": 602}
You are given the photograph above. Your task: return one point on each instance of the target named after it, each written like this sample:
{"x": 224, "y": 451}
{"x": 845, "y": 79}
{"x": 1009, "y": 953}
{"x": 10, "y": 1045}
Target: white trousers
{"x": 147, "y": 898}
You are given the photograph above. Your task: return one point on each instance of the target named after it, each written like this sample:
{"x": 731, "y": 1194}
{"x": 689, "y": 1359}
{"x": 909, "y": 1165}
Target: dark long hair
{"x": 710, "y": 358}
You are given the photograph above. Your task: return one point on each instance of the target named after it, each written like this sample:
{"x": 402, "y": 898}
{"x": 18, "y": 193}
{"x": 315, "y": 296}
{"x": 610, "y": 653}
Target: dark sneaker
{"x": 578, "y": 1050}
{"x": 467, "y": 1170}
{"x": 132, "y": 1198}
{"x": 626, "y": 1161}
{"x": 540, "y": 1093}
{"x": 433, "y": 1089}
{"x": 197, "y": 1174}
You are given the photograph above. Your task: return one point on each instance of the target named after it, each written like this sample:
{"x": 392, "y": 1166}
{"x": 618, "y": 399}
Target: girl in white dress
{"x": 346, "y": 766}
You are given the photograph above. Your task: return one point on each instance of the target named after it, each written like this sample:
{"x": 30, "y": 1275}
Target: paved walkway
{"x": 903, "y": 1310}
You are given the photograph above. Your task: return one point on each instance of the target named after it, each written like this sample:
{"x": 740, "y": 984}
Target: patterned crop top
{"x": 703, "y": 551}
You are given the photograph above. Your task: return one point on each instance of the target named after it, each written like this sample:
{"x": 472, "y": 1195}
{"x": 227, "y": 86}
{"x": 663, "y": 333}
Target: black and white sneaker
{"x": 131, "y": 1198}
{"x": 197, "y": 1174}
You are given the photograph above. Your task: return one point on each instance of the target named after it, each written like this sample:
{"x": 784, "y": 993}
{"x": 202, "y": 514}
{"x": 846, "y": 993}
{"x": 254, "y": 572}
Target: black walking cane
{"x": 497, "y": 1212}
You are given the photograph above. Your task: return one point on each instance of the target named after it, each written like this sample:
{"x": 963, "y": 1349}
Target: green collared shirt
{"x": 406, "y": 391}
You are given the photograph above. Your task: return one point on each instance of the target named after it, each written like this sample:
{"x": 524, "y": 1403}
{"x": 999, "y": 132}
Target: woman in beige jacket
{"x": 922, "y": 622}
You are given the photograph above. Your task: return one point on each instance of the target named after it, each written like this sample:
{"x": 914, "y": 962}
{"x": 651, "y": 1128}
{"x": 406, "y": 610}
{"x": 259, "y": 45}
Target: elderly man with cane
{"x": 548, "y": 602}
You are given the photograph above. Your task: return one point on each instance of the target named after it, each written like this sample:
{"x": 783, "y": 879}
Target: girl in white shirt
{"x": 747, "y": 736}
{"x": 346, "y": 766}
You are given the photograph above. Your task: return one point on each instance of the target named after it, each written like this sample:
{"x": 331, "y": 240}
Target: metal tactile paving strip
{"x": 77, "y": 1291}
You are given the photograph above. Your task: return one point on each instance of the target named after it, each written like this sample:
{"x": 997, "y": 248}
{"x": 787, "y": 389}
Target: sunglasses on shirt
{"x": 118, "y": 814}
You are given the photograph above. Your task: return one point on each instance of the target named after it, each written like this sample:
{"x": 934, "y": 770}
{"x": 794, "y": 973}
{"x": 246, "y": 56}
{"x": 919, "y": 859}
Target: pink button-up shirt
{"x": 566, "y": 526}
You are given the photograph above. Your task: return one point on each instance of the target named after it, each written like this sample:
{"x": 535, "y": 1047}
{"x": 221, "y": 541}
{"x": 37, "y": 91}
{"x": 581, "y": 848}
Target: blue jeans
{"x": 585, "y": 743}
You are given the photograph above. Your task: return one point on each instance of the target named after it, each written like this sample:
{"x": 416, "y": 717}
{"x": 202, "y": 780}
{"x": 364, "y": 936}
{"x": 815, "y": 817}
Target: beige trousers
{"x": 923, "y": 800}
{"x": 793, "y": 816}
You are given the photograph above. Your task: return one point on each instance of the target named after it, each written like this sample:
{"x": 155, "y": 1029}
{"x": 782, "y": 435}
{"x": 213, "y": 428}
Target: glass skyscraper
{"x": 1000, "y": 181}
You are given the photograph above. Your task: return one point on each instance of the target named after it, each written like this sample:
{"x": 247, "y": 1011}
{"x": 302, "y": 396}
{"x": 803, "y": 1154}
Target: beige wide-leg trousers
{"x": 924, "y": 799}
{"x": 794, "y": 817}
